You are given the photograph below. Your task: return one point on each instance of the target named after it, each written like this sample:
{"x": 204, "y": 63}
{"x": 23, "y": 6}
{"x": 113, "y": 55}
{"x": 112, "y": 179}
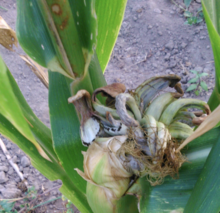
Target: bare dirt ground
{"x": 153, "y": 41}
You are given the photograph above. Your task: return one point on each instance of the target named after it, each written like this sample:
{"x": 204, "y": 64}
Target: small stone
{"x": 184, "y": 87}
{"x": 26, "y": 170}
{"x": 3, "y": 177}
{"x": 3, "y": 158}
{"x": 208, "y": 47}
{"x": 15, "y": 159}
{"x": 52, "y": 198}
{"x": 168, "y": 71}
{"x": 157, "y": 10}
{"x": 184, "y": 80}
{"x": 8, "y": 145}
{"x": 11, "y": 185}
{"x": 167, "y": 57}
{"x": 121, "y": 65}
{"x": 170, "y": 45}
{"x": 3, "y": 168}
{"x": 149, "y": 27}
{"x": 25, "y": 162}
{"x": 185, "y": 72}
{"x": 154, "y": 65}
{"x": 9, "y": 193}
{"x": 183, "y": 45}
{"x": 172, "y": 63}
{"x": 206, "y": 70}
{"x": 174, "y": 51}
{"x": 117, "y": 80}
{"x": 10, "y": 171}
{"x": 160, "y": 33}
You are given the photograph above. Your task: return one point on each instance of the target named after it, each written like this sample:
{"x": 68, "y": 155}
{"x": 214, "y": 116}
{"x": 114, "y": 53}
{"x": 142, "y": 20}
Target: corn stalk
{"x": 135, "y": 140}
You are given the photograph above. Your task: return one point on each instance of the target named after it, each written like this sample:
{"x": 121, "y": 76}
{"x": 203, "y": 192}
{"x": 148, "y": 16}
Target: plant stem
{"x": 3, "y": 8}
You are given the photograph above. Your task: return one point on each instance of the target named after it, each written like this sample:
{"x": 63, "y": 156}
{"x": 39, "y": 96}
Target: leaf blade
{"x": 204, "y": 85}
{"x": 206, "y": 193}
{"x": 174, "y": 194}
{"x": 191, "y": 87}
{"x": 65, "y": 129}
{"x": 110, "y": 15}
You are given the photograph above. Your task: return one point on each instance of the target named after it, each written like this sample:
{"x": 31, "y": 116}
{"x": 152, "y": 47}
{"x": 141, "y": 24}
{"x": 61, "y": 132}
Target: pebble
{"x": 3, "y": 168}
{"x": 9, "y": 193}
{"x": 3, "y": 158}
{"x": 10, "y": 171}
{"x": 167, "y": 57}
{"x": 183, "y": 45}
{"x": 172, "y": 63}
{"x": 25, "y": 162}
{"x": 160, "y": 33}
{"x": 184, "y": 80}
{"x": 157, "y": 10}
{"x": 15, "y": 159}
{"x": 170, "y": 45}
{"x": 168, "y": 71}
{"x": 3, "y": 177}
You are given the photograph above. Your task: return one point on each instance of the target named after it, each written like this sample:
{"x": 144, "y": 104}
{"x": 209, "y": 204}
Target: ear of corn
{"x": 146, "y": 147}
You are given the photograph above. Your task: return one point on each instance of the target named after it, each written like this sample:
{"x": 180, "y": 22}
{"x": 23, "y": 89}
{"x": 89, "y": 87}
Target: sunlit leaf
{"x": 193, "y": 80}
{"x": 110, "y": 14}
{"x": 191, "y": 87}
{"x": 204, "y": 85}
{"x": 211, "y": 10}
{"x": 206, "y": 193}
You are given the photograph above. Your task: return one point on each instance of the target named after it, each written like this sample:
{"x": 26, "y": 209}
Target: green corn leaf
{"x": 193, "y": 80}
{"x": 52, "y": 171}
{"x": 18, "y": 113}
{"x": 211, "y": 10}
{"x": 110, "y": 14}
{"x": 128, "y": 204}
{"x": 187, "y": 2}
{"x": 41, "y": 133}
{"x": 191, "y": 87}
{"x": 36, "y": 130}
{"x": 174, "y": 194}
{"x": 206, "y": 193}
{"x": 59, "y": 35}
{"x": 204, "y": 85}
{"x": 65, "y": 128}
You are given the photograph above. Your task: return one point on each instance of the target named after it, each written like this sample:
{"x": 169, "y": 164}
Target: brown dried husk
{"x": 165, "y": 162}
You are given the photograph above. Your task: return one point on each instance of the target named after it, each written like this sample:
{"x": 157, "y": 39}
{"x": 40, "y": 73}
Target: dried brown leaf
{"x": 38, "y": 70}
{"x": 111, "y": 90}
{"x": 7, "y": 35}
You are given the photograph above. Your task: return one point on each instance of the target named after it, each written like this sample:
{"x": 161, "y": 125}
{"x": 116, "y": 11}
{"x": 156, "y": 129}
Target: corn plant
{"x": 113, "y": 151}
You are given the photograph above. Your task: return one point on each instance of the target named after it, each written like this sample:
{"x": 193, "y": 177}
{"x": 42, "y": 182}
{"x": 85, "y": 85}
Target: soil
{"x": 153, "y": 40}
